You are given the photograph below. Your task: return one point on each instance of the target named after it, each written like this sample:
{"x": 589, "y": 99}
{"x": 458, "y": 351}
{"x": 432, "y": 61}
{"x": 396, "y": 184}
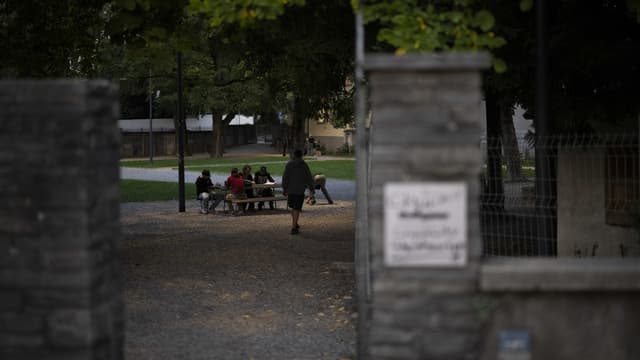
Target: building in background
{"x": 136, "y": 135}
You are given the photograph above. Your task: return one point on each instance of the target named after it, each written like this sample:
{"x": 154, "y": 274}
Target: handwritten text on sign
{"x": 425, "y": 224}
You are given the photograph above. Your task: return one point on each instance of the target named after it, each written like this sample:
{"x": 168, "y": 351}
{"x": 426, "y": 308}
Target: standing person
{"x": 248, "y": 185}
{"x": 262, "y": 177}
{"x": 320, "y": 182}
{"x": 203, "y": 184}
{"x": 295, "y": 179}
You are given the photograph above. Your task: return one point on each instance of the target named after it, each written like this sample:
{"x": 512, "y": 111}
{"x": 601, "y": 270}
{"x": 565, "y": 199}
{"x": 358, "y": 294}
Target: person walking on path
{"x": 295, "y": 179}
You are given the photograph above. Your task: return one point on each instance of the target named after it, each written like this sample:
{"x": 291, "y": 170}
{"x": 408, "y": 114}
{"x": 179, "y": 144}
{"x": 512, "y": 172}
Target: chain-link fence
{"x": 569, "y": 195}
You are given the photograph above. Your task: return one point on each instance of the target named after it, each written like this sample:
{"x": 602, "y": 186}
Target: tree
{"x": 307, "y": 56}
{"x": 431, "y": 26}
{"x": 218, "y": 78}
{"x": 51, "y": 38}
{"x": 304, "y": 49}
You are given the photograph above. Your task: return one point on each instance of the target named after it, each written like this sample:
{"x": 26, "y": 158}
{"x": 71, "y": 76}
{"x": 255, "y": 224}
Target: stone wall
{"x": 60, "y": 280}
{"x": 426, "y": 128}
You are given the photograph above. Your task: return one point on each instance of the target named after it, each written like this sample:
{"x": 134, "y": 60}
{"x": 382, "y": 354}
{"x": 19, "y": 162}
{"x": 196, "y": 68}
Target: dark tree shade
{"x": 50, "y": 38}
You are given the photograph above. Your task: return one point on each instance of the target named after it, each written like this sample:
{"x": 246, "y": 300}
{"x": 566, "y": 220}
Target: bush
{"x": 345, "y": 149}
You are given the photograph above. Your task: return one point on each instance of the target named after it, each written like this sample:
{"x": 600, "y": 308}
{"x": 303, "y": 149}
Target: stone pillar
{"x": 425, "y": 131}
{"x": 60, "y": 280}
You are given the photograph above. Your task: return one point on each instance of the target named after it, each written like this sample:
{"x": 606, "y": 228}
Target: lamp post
{"x": 150, "y": 120}
{"x": 181, "y": 126}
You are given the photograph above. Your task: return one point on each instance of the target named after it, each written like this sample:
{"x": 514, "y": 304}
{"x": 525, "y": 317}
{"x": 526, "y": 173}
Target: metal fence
{"x": 570, "y": 195}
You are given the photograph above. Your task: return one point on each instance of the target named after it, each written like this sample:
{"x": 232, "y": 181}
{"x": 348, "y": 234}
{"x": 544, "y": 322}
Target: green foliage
{"x": 634, "y": 6}
{"x": 526, "y": 5}
{"x": 51, "y": 38}
{"x": 243, "y": 13}
{"x": 345, "y": 149}
{"x": 420, "y": 26}
{"x": 593, "y": 67}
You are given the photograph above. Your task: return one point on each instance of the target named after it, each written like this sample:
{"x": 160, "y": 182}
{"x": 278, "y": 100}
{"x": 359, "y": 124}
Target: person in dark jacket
{"x": 203, "y": 185}
{"x": 248, "y": 185}
{"x": 295, "y": 180}
{"x": 262, "y": 177}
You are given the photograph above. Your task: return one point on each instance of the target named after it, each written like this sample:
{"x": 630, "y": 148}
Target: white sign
{"x": 425, "y": 224}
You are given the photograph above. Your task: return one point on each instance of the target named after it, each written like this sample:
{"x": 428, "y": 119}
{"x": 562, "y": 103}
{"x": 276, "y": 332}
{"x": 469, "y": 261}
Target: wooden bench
{"x": 236, "y": 202}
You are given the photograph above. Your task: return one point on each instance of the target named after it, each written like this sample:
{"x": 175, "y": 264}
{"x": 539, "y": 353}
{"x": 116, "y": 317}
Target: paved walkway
{"x": 338, "y": 189}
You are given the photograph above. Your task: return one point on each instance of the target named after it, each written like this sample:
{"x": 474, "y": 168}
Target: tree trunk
{"x": 217, "y": 134}
{"x": 221, "y": 125}
{"x": 510, "y": 145}
{"x": 494, "y": 192}
{"x": 297, "y": 127}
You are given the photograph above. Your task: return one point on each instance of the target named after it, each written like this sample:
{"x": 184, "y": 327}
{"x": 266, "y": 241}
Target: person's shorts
{"x": 295, "y": 201}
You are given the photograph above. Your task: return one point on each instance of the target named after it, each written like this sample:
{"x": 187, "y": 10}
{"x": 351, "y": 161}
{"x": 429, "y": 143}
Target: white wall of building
{"x": 581, "y": 208}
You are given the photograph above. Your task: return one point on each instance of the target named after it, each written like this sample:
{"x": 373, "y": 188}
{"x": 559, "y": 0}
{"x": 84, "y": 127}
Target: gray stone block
{"x": 392, "y": 352}
{"x": 11, "y": 301}
{"x": 52, "y": 298}
{"x": 382, "y": 335}
{"x": 20, "y": 342}
{"x": 70, "y": 328}
{"x": 21, "y": 322}
{"x": 61, "y": 237}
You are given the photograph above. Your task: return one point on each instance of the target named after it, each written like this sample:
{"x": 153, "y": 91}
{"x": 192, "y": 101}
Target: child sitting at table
{"x": 203, "y": 184}
{"x": 236, "y": 184}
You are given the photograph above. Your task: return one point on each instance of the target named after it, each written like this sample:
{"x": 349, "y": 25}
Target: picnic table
{"x": 235, "y": 202}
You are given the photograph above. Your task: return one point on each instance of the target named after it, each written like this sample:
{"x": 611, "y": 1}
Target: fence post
{"x": 60, "y": 277}
{"x": 422, "y": 205}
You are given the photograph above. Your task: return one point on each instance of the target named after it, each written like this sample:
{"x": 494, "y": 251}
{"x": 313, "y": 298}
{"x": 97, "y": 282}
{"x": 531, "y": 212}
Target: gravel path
{"x": 223, "y": 287}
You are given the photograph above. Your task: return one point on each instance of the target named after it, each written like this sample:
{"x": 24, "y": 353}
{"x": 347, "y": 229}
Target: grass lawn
{"x": 201, "y": 162}
{"x": 142, "y": 190}
{"x": 334, "y": 169}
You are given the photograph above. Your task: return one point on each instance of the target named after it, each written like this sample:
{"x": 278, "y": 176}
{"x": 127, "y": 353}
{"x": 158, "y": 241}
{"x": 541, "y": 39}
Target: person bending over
{"x": 320, "y": 183}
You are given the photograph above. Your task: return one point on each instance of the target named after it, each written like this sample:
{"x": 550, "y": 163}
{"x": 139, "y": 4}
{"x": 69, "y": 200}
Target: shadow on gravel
{"x": 238, "y": 287}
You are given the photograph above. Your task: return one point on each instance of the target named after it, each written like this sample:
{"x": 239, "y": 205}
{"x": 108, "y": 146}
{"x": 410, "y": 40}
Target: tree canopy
{"x": 51, "y": 38}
